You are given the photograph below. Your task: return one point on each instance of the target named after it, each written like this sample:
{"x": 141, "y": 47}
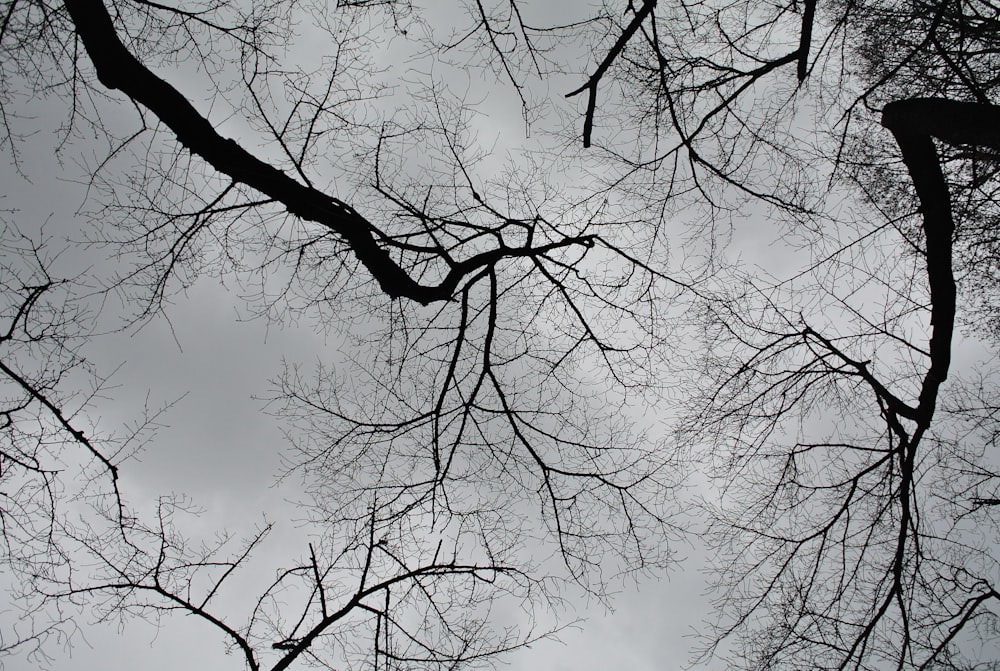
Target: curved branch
{"x": 119, "y": 70}
{"x": 914, "y": 123}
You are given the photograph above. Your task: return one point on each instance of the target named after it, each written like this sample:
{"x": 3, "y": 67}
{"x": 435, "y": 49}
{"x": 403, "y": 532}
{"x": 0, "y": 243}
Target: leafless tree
{"x": 507, "y": 325}
{"x": 856, "y": 481}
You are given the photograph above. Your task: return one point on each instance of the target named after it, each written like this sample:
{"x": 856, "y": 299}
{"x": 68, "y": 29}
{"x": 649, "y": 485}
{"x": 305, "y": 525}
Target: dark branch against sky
{"x": 512, "y": 374}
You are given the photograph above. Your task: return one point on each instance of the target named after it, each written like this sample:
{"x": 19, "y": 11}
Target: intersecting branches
{"x": 710, "y": 84}
{"x": 482, "y": 412}
{"x": 839, "y": 535}
{"x": 493, "y": 406}
{"x": 366, "y": 592}
{"x": 50, "y": 455}
{"x": 118, "y": 69}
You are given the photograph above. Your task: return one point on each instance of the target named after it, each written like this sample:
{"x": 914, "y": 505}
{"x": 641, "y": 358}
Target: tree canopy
{"x": 521, "y": 223}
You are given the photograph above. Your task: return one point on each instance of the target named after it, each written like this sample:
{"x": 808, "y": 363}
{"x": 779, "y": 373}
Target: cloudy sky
{"x": 222, "y": 450}
{"x": 209, "y": 360}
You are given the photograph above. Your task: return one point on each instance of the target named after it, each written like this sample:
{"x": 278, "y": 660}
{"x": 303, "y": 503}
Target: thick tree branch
{"x": 914, "y": 123}
{"x": 591, "y": 85}
{"x": 118, "y": 69}
{"x": 805, "y": 38}
{"x": 951, "y": 121}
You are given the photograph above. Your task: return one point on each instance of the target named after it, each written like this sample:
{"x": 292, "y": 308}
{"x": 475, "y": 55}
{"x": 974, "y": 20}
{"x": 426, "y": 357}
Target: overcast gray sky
{"x": 222, "y": 449}
{"x": 219, "y": 448}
